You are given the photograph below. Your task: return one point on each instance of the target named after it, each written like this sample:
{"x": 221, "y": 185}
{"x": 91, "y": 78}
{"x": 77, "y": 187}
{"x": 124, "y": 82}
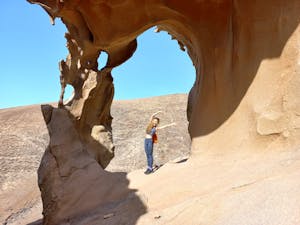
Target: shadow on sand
{"x": 120, "y": 206}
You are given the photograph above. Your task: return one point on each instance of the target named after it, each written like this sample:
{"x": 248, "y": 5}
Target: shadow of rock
{"x": 251, "y": 34}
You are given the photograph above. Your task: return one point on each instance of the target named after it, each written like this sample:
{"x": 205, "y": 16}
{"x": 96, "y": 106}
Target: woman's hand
{"x": 154, "y": 114}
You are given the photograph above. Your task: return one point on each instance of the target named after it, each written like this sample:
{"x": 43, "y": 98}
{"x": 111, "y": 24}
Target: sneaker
{"x": 148, "y": 171}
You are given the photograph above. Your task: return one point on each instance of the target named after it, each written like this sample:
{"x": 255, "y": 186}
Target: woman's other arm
{"x": 165, "y": 126}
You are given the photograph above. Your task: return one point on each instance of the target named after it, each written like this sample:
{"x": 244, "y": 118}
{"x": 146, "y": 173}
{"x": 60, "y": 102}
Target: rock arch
{"x": 247, "y": 63}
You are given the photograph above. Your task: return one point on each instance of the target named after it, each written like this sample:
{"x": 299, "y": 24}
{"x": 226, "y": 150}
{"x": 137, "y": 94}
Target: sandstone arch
{"x": 245, "y": 98}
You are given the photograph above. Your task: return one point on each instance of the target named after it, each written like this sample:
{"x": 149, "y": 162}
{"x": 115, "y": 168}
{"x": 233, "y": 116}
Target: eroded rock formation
{"x": 245, "y": 97}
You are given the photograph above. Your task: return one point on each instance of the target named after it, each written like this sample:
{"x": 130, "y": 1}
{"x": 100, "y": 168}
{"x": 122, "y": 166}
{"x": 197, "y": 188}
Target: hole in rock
{"x": 69, "y": 92}
{"x": 157, "y": 77}
{"x": 102, "y": 60}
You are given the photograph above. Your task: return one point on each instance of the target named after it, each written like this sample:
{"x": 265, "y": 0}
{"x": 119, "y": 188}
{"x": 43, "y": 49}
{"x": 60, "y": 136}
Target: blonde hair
{"x": 150, "y": 125}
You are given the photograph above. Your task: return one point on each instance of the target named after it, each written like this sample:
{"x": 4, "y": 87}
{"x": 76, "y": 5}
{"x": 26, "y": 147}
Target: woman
{"x": 151, "y": 138}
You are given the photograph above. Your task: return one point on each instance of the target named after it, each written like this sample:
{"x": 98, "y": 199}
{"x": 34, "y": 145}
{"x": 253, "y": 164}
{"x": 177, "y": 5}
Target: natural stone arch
{"x": 234, "y": 46}
{"x": 161, "y": 73}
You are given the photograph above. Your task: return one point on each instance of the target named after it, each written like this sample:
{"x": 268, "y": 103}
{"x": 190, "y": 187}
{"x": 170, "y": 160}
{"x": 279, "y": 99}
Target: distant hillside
{"x": 129, "y": 124}
{"x": 24, "y": 135}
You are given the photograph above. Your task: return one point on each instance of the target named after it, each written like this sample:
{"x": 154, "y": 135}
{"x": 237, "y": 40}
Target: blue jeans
{"x": 149, "y": 152}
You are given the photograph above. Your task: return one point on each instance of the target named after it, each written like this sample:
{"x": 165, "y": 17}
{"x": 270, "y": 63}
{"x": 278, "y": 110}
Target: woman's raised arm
{"x": 154, "y": 114}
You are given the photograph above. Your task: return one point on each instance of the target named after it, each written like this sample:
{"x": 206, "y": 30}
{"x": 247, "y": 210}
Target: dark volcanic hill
{"x": 24, "y": 137}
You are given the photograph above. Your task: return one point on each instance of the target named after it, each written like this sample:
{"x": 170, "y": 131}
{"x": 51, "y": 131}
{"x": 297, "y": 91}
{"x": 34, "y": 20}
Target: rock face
{"x": 245, "y": 98}
{"x": 76, "y": 175}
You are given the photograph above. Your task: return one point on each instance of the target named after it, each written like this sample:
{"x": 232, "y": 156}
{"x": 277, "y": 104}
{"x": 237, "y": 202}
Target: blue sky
{"x": 31, "y": 49}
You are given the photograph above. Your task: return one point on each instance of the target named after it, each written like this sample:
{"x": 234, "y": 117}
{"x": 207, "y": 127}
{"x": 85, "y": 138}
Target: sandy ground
{"x": 208, "y": 189}
{"x": 233, "y": 190}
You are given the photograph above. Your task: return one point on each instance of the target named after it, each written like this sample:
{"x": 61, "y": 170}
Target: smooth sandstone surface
{"x": 243, "y": 112}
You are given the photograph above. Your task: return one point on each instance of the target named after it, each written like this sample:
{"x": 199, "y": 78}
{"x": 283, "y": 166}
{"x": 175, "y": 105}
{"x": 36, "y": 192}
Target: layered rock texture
{"x": 243, "y": 106}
